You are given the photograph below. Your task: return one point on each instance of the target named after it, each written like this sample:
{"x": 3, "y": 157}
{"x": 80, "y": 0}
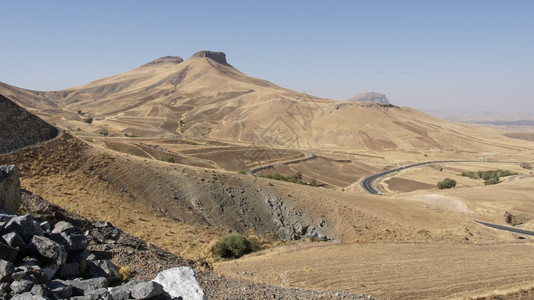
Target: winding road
{"x": 368, "y": 182}
{"x": 368, "y": 185}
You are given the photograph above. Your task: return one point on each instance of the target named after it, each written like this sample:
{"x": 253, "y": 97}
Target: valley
{"x": 175, "y": 152}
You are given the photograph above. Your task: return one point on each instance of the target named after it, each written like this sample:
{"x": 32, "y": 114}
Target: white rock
{"x": 180, "y": 282}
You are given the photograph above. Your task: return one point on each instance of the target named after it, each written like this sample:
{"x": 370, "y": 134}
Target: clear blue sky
{"x": 423, "y": 54}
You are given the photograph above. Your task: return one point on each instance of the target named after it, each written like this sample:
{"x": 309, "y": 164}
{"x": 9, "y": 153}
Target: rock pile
{"x": 44, "y": 261}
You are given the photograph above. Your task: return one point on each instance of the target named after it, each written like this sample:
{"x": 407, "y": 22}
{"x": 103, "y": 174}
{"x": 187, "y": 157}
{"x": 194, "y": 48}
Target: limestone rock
{"x": 49, "y": 249}
{"x": 180, "y": 282}
{"x": 9, "y": 187}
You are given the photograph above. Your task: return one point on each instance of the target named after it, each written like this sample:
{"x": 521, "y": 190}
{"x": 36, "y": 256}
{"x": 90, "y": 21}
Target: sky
{"x": 432, "y": 55}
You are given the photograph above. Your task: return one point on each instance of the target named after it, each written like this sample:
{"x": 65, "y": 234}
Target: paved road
{"x": 368, "y": 182}
{"x": 307, "y": 155}
{"x": 507, "y": 228}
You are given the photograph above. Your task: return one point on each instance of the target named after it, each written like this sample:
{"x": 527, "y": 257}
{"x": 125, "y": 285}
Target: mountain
{"x": 205, "y": 97}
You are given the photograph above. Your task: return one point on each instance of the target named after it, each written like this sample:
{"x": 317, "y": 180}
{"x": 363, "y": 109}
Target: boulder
{"x": 79, "y": 287}
{"x": 146, "y": 290}
{"x": 8, "y": 253}
{"x": 63, "y": 226}
{"x": 180, "y": 282}
{"x": 25, "y": 226}
{"x": 72, "y": 242}
{"x": 9, "y": 187}
{"x": 61, "y": 289}
{"x": 103, "y": 268}
{"x": 14, "y": 240}
{"x": 6, "y": 270}
{"x": 52, "y": 251}
{"x": 29, "y": 296}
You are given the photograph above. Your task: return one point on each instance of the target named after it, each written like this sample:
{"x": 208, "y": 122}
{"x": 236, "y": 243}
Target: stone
{"x": 63, "y": 226}
{"x": 28, "y": 296}
{"x": 6, "y": 270}
{"x": 9, "y": 187}
{"x": 41, "y": 290}
{"x": 72, "y": 242}
{"x": 21, "y": 286}
{"x": 14, "y": 240}
{"x": 35, "y": 274}
{"x": 70, "y": 270}
{"x": 84, "y": 255}
{"x": 49, "y": 249}
{"x": 122, "y": 292}
{"x": 103, "y": 268}
{"x": 146, "y": 290}
{"x": 61, "y": 289}
{"x": 45, "y": 226}
{"x": 80, "y": 286}
{"x": 98, "y": 293}
{"x": 8, "y": 253}
{"x": 25, "y": 226}
{"x": 4, "y": 289}
{"x": 180, "y": 282}
{"x": 50, "y": 271}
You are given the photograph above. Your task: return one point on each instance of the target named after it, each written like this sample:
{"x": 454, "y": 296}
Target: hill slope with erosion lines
{"x": 19, "y": 128}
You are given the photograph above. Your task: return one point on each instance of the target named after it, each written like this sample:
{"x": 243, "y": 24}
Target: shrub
{"x": 525, "y": 165}
{"x": 447, "y": 183}
{"x": 232, "y": 245}
{"x": 104, "y": 132}
{"x": 125, "y": 273}
{"x": 171, "y": 159}
{"x": 88, "y": 120}
{"x": 492, "y": 180}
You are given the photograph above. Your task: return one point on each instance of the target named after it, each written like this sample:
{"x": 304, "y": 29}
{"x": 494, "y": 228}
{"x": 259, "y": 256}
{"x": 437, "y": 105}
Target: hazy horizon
{"x": 454, "y": 55}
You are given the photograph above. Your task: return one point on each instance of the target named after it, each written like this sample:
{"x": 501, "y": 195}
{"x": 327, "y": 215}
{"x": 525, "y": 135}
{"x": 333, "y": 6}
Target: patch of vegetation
{"x": 79, "y": 111}
{"x": 88, "y": 120}
{"x": 446, "y": 183}
{"x": 171, "y": 159}
{"x": 125, "y": 273}
{"x": 295, "y": 178}
{"x": 104, "y": 132}
{"x": 130, "y": 135}
{"x": 233, "y": 245}
{"x": 525, "y": 165}
{"x": 490, "y": 177}
{"x": 242, "y": 172}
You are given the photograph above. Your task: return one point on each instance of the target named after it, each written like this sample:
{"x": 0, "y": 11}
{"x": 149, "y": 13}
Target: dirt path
{"x": 307, "y": 155}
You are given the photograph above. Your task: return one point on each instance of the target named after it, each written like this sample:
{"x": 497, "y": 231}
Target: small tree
{"x": 447, "y": 183}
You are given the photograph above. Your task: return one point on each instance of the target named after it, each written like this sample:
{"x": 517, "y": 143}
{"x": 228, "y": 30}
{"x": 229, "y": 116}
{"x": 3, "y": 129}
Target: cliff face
{"x": 19, "y": 128}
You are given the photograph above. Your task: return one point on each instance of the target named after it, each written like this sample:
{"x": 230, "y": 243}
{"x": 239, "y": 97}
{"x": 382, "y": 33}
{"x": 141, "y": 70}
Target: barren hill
{"x": 206, "y": 97}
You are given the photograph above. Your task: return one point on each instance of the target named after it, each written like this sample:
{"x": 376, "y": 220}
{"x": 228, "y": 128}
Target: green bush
{"x": 447, "y": 183}
{"x": 88, "y": 120}
{"x": 295, "y": 178}
{"x": 492, "y": 180}
{"x": 232, "y": 245}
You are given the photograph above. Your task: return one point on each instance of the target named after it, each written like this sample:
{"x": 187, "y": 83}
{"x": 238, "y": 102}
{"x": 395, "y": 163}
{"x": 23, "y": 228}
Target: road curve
{"x": 368, "y": 182}
{"x": 307, "y": 155}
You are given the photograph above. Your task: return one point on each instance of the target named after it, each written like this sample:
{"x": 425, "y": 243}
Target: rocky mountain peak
{"x": 219, "y": 57}
{"x": 165, "y": 60}
{"x": 371, "y": 97}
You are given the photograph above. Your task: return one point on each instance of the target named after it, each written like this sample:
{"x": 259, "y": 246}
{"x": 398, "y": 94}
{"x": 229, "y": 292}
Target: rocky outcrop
{"x": 165, "y": 60}
{"x": 371, "y": 97}
{"x": 189, "y": 289}
{"x": 219, "y": 57}
{"x": 19, "y": 128}
{"x": 9, "y": 187}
